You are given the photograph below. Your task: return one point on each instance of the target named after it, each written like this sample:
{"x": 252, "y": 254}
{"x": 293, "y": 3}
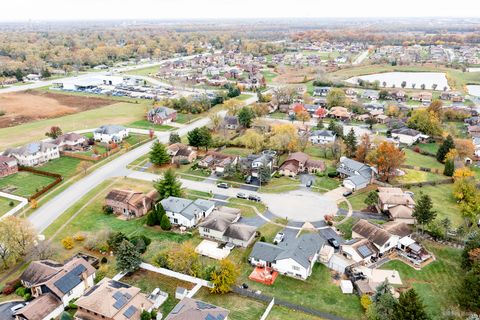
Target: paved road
{"x": 361, "y": 57}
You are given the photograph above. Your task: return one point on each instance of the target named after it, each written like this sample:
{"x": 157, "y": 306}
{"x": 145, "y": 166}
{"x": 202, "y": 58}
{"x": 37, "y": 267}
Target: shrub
{"x": 20, "y": 291}
{"x": 107, "y": 210}
{"x": 68, "y": 243}
{"x": 365, "y": 301}
{"x": 72, "y": 305}
{"x": 79, "y": 237}
{"x": 8, "y": 289}
{"x": 11, "y": 203}
{"x": 333, "y": 174}
{"x": 66, "y": 316}
{"x": 145, "y": 315}
{"x": 27, "y": 296}
{"x": 161, "y": 259}
{"x": 262, "y": 238}
{"x": 165, "y": 223}
{"x": 103, "y": 260}
{"x": 416, "y": 149}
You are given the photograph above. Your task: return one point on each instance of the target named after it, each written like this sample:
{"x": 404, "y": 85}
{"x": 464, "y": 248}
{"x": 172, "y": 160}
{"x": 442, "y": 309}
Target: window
{"x": 206, "y": 230}
{"x": 296, "y": 268}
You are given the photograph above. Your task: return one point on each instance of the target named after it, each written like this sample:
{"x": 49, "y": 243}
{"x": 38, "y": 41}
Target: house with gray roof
{"x": 34, "y": 153}
{"x": 186, "y": 212}
{"x": 110, "y": 133}
{"x": 357, "y": 175}
{"x": 407, "y": 136}
{"x": 322, "y": 137}
{"x": 192, "y": 309}
{"x": 293, "y": 257}
{"x": 161, "y": 115}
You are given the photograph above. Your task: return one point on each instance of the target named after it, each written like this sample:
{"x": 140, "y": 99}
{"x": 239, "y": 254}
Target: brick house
{"x": 161, "y": 115}
{"x": 129, "y": 202}
{"x": 8, "y": 166}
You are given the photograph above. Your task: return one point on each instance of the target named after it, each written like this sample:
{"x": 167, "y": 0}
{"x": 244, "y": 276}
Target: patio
{"x": 263, "y": 275}
{"x": 212, "y": 250}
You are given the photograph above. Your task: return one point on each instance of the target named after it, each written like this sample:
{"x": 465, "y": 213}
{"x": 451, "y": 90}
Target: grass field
{"x": 282, "y": 313}
{"x": 429, "y": 147}
{"x": 118, "y": 113}
{"x": 144, "y": 71}
{"x": 186, "y": 117}
{"x": 243, "y": 97}
{"x": 418, "y": 160}
{"x": 346, "y": 227}
{"x": 443, "y": 202}
{"x": 326, "y": 183}
{"x": 243, "y": 152}
{"x": 282, "y": 184}
{"x": 5, "y": 205}
{"x": 24, "y": 183}
{"x": 437, "y": 282}
{"x": 269, "y": 75}
{"x": 64, "y": 166}
{"x": 412, "y": 176}
{"x": 145, "y": 124}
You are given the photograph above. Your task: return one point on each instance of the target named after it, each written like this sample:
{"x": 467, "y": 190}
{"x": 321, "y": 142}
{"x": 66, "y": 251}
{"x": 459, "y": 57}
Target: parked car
{"x": 248, "y": 180}
{"x": 229, "y": 246}
{"x": 309, "y": 183}
{"x": 223, "y": 185}
{"x": 334, "y": 243}
{"x": 254, "y": 198}
{"x": 279, "y": 238}
{"x": 241, "y": 195}
{"x": 17, "y": 307}
{"x": 347, "y": 193}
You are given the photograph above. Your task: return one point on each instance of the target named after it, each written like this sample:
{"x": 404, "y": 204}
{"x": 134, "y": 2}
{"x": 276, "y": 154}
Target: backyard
{"x": 24, "y": 184}
{"x": 418, "y": 160}
{"x": 64, "y": 166}
{"x": 6, "y": 205}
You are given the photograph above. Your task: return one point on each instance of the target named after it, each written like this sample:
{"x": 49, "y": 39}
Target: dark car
{"x": 334, "y": 243}
{"x": 248, "y": 180}
{"x": 223, "y": 185}
{"x": 254, "y": 198}
{"x": 309, "y": 183}
{"x": 347, "y": 193}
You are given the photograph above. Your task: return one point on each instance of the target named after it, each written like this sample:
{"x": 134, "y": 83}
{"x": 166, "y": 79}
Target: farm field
{"x": 117, "y": 113}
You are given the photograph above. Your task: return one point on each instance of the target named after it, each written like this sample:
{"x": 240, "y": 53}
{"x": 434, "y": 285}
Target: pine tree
{"x": 423, "y": 212}
{"x": 246, "y": 116}
{"x": 168, "y": 186}
{"x": 165, "y": 223}
{"x": 174, "y": 138}
{"x": 446, "y": 146}
{"x": 152, "y": 219}
{"x": 351, "y": 143}
{"x": 128, "y": 258}
{"x": 158, "y": 154}
{"x": 159, "y": 212}
{"x": 449, "y": 168}
{"x": 410, "y": 307}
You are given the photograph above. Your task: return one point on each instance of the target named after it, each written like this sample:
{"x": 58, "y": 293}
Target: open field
{"x": 144, "y": 71}
{"x": 29, "y": 106}
{"x": 269, "y": 75}
{"x": 117, "y": 113}
{"x": 24, "y": 184}
{"x": 412, "y": 176}
{"x": 437, "y": 283}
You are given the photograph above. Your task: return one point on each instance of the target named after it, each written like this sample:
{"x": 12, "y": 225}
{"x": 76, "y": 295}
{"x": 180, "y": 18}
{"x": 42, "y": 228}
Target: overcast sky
{"x": 22, "y": 10}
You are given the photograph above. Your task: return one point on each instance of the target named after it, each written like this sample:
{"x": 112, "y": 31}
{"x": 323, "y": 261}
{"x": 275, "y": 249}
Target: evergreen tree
{"x": 205, "y": 137}
{"x": 174, "y": 138}
{"x": 194, "y": 138}
{"x": 446, "y": 146}
{"x": 152, "y": 219}
{"x": 158, "y": 154}
{"x": 336, "y": 128}
{"x": 410, "y": 307}
{"x": 128, "y": 258}
{"x": 159, "y": 212}
{"x": 372, "y": 198}
{"x": 115, "y": 239}
{"x": 350, "y": 143}
{"x": 165, "y": 223}
{"x": 168, "y": 186}
{"x": 449, "y": 168}
{"x": 245, "y": 117}
{"x": 265, "y": 174}
{"x": 423, "y": 212}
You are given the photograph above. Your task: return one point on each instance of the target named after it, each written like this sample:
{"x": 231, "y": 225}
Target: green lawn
{"x": 145, "y": 124}
{"x": 326, "y": 183}
{"x": 418, "y": 160}
{"x": 133, "y": 139}
{"x": 429, "y": 147}
{"x": 147, "y": 281}
{"x": 118, "y": 113}
{"x": 185, "y": 118}
{"x": 242, "y": 152}
{"x": 456, "y": 129}
{"x": 346, "y": 227}
{"x": 144, "y": 71}
{"x": 269, "y": 75}
{"x": 241, "y": 308}
{"x": 357, "y": 200}
{"x": 5, "y": 205}
{"x": 243, "y": 97}
{"x": 412, "y": 176}
{"x": 64, "y": 166}
{"x": 245, "y": 206}
{"x": 282, "y": 313}
{"x": 24, "y": 183}
{"x": 101, "y": 150}
{"x": 443, "y": 201}
{"x": 437, "y": 283}
{"x": 279, "y": 185}
{"x": 278, "y": 115}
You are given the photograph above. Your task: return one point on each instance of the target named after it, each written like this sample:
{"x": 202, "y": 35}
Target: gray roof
{"x": 70, "y": 280}
{"x": 240, "y": 231}
{"x": 110, "y": 129}
{"x": 322, "y": 133}
{"x": 406, "y": 131}
{"x": 300, "y": 249}
{"x": 231, "y": 120}
{"x": 163, "y": 112}
{"x": 357, "y": 172}
{"x": 185, "y": 207}
{"x": 30, "y": 149}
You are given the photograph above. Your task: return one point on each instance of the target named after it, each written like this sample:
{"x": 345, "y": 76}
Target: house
{"x": 185, "y": 212}
{"x": 32, "y": 77}
{"x": 321, "y": 91}
{"x": 371, "y": 94}
{"x": 424, "y": 97}
{"x": 130, "y": 203}
{"x": 398, "y": 95}
{"x": 110, "y": 133}
{"x": 222, "y": 225}
{"x": 192, "y": 309}
{"x": 70, "y": 142}
{"x": 407, "y": 136}
{"x": 8, "y": 166}
{"x": 356, "y": 175}
{"x": 383, "y": 240}
{"x": 181, "y": 153}
{"x": 322, "y": 137}
{"x": 294, "y": 257}
{"x": 112, "y": 300}
{"x": 54, "y": 285}
{"x": 398, "y": 204}
{"x": 161, "y": 115}
{"x": 359, "y": 250}
{"x": 218, "y": 161}
{"x": 231, "y": 122}
{"x": 253, "y": 162}
{"x": 299, "y": 162}
{"x": 340, "y": 113}
{"x": 34, "y": 153}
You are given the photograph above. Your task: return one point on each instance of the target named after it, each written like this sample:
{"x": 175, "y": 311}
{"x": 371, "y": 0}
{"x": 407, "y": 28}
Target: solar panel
{"x": 364, "y": 251}
{"x": 130, "y": 312}
{"x": 178, "y": 308}
{"x": 70, "y": 280}
{"x": 118, "y": 284}
{"x": 120, "y": 303}
{"x": 204, "y": 306}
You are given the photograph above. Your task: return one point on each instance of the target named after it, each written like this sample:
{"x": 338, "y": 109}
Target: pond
{"x": 396, "y": 78}
{"x": 474, "y": 90}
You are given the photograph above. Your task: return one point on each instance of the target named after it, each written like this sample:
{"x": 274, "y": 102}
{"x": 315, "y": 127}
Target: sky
{"x": 24, "y": 10}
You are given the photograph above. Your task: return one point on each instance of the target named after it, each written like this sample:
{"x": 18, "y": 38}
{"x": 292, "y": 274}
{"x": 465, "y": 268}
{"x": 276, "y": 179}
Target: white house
{"x": 185, "y": 212}
{"x": 34, "y": 153}
{"x": 356, "y": 175}
{"x": 70, "y": 141}
{"x": 407, "y": 136}
{"x": 293, "y": 257}
{"x": 322, "y": 137}
{"x": 110, "y": 133}
{"x": 383, "y": 240}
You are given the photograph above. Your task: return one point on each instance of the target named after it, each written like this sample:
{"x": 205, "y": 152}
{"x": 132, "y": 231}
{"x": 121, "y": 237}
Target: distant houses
{"x": 8, "y": 166}
{"x": 161, "y": 115}
{"x": 322, "y": 137}
{"x": 407, "y": 136}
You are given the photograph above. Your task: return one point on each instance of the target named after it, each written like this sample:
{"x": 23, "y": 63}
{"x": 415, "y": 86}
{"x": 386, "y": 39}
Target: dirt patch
{"x": 29, "y": 106}
{"x": 297, "y": 75}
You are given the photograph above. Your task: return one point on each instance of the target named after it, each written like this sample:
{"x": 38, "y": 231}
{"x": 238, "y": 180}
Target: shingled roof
{"x": 371, "y": 232}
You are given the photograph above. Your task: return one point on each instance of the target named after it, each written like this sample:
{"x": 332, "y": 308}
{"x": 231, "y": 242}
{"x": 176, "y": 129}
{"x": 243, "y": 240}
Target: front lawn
{"x": 437, "y": 283}
{"x": 346, "y": 227}
{"x": 279, "y": 185}
{"x": 64, "y": 166}
{"x": 418, "y": 160}
{"x": 243, "y": 97}
{"x": 133, "y": 139}
{"x": 326, "y": 183}
{"x": 429, "y": 147}
{"x": 185, "y": 118}
{"x": 235, "y": 151}
{"x": 24, "y": 184}
{"x": 145, "y": 124}
{"x": 283, "y": 313}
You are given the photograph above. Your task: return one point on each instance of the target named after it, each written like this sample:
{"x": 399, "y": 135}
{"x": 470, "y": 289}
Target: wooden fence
{"x": 58, "y": 179}
{"x": 94, "y": 157}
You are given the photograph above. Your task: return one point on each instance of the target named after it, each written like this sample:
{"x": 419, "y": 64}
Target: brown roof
{"x": 40, "y": 271}
{"x": 192, "y": 309}
{"x": 401, "y": 212}
{"x": 371, "y": 232}
{"x": 131, "y": 197}
{"x": 315, "y": 164}
{"x": 398, "y": 228}
{"x": 55, "y": 284}
{"x": 394, "y": 196}
{"x": 40, "y": 307}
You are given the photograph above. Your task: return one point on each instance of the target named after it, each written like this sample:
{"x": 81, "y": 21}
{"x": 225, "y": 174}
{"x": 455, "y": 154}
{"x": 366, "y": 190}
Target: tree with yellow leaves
{"x": 253, "y": 140}
{"x": 224, "y": 277}
{"x": 284, "y": 137}
{"x": 461, "y": 173}
{"x": 232, "y": 106}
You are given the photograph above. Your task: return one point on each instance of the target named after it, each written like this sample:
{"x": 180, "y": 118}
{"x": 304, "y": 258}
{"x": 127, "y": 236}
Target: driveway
{"x": 5, "y": 312}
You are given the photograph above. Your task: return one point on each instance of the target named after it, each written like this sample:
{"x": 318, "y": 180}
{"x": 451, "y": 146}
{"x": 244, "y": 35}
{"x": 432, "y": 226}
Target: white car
{"x": 279, "y": 238}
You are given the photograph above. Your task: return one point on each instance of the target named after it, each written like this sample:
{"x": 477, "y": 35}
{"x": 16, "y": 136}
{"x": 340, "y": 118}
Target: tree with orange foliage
{"x": 464, "y": 147}
{"x": 284, "y": 137}
{"x": 363, "y": 148}
{"x": 303, "y": 116}
{"x": 462, "y": 173}
{"x": 386, "y": 158}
